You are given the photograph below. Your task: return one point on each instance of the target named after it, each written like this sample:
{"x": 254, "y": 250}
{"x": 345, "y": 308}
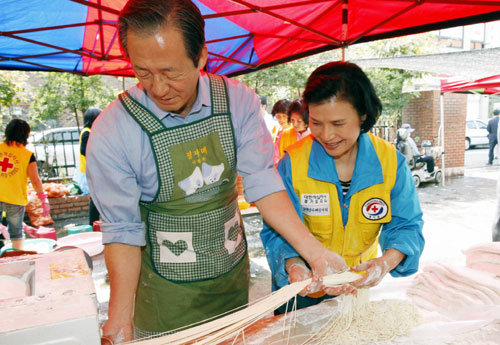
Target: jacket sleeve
{"x": 276, "y": 247}
{"x": 404, "y": 231}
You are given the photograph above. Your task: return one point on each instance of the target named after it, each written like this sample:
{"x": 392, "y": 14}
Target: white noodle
{"x": 363, "y": 322}
{"x": 360, "y": 321}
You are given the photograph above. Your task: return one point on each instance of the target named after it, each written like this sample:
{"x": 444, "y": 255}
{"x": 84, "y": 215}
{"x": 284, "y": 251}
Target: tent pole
{"x": 441, "y": 135}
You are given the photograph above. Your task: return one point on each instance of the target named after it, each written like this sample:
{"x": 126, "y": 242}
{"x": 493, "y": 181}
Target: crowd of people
{"x": 161, "y": 165}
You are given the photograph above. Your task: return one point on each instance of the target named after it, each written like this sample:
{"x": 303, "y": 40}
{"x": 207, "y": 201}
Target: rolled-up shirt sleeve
{"x": 277, "y": 249}
{"x": 254, "y": 145}
{"x": 113, "y": 184}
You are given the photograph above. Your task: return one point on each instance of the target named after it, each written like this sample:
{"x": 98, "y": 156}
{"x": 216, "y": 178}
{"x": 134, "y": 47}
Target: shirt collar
{"x": 202, "y": 99}
{"x": 367, "y": 171}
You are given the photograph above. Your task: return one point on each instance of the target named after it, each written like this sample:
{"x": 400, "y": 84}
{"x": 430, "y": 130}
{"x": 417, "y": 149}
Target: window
{"x": 481, "y": 125}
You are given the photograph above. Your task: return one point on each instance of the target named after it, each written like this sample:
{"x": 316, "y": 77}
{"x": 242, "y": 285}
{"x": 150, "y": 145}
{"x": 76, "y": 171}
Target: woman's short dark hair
{"x": 347, "y": 82}
{"x": 297, "y": 106}
{"x": 17, "y": 130}
{"x": 280, "y": 107}
{"x": 89, "y": 116}
{"x": 148, "y": 16}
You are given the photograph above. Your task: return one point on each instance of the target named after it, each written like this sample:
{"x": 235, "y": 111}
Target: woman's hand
{"x": 377, "y": 268}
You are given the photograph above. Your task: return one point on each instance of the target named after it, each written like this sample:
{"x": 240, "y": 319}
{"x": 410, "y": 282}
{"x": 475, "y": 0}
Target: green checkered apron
{"x": 194, "y": 265}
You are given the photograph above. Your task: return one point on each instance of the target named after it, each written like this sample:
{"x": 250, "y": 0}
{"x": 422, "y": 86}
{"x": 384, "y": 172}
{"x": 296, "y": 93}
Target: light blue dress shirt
{"x": 403, "y": 232}
{"x": 121, "y": 168}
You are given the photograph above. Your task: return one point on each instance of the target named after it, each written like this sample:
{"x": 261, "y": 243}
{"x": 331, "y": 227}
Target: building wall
{"x": 71, "y": 206}
{"x": 424, "y": 115}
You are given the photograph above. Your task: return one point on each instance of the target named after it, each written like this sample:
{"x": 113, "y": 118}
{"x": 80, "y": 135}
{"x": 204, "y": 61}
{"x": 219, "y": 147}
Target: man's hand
{"x": 116, "y": 332}
{"x": 328, "y": 263}
{"x": 298, "y": 271}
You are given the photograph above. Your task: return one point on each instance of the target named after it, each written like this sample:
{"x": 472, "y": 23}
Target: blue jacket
{"x": 403, "y": 232}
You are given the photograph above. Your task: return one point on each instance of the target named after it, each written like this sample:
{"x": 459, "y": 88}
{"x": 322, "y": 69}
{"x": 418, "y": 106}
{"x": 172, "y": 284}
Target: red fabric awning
{"x": 242, "y": 36}
{"x": 489, "y": 85}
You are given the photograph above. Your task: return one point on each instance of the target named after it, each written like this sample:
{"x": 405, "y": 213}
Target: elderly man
{"x": 162, "y": 168}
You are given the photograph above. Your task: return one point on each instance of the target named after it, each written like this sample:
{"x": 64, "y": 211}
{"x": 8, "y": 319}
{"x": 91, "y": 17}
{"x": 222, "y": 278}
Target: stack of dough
{"x": 484, "y": 257}
{"x": 444, "y": 288}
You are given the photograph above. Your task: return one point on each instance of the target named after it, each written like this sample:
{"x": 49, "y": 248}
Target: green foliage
{"x": 389, "y": 82}
{"x": 8, "y": 91}
{"x": 278, "y": 82}
{"x": 65, "y": 92}
{"x": 288, "y": 80}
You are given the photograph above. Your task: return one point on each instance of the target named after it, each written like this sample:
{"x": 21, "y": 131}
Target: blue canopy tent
{"x": 80, "y": 36}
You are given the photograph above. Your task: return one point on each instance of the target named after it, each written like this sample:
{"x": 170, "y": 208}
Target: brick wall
{"x": 424, "y": 114}
{"x": 69, "y": 206}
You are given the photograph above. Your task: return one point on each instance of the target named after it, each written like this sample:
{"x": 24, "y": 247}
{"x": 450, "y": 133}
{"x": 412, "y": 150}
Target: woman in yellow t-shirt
{"x": 17, "y": 164}
{"x": 299, "y": 118}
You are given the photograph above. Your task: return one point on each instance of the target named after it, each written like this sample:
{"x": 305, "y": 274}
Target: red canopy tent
{"x": 489, "y": 85}
{"x": 80, "y": 36}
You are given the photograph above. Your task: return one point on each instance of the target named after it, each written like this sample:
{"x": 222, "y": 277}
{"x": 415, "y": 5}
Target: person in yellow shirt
{"x": 80, "y": 176}
{"x": 17, "y": 164}
{"x": 299, "y": 118}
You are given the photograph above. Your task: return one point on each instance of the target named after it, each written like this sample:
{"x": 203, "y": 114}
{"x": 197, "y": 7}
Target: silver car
{"x": 57, "y": 151}
{"x": 475, "y": 133}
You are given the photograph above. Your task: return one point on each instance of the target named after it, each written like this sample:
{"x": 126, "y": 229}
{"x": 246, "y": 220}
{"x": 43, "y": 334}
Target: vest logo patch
{"x": 8, "y": 164}
{"x": 375, "y": 209}
{"x": 315, "y": 204}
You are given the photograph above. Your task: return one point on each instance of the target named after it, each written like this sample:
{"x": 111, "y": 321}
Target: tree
{"x": 288, "y": 80}
{"x": 278, "y": 82}
{"x": 70, "y": 93}
{"x": 10, "y": 94}
{"x": 388, "y": 82}
{"x": 8, "y": 90}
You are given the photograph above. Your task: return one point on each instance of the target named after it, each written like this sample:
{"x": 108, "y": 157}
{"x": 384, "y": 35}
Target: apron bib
{"x": 194, "y": 265}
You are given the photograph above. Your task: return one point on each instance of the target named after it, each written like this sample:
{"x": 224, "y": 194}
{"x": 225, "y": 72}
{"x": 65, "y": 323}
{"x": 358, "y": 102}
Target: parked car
{"x": 475, "y": 133}
{"x": 56, "y": 150}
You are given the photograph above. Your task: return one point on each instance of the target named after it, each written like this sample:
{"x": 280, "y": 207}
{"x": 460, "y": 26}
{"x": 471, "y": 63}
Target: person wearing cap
{"x": 428, "y": 160}
{"x": 492, "y": 129}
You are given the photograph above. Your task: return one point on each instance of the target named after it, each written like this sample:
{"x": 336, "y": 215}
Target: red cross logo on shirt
{"x": 5, "y": 164}
{"x": 373, "y": 208}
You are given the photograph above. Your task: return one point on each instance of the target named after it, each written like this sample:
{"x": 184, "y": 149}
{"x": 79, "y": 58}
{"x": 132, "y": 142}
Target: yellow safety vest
{"x": 14, "y": 161}
{"x": 288, "y": 137}
{"x": 83, "y": 160}
{"x": 369, "y": 208}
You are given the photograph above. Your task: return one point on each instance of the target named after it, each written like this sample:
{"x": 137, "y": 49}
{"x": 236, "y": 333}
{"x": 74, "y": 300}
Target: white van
{"x": 57, "y": 151}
